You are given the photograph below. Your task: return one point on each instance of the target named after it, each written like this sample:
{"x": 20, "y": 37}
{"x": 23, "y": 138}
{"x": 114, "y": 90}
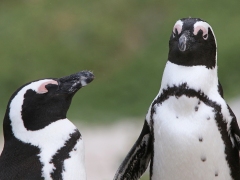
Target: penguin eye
{"x": 177, "y": 29}
{"x": 201, "y": 29}
{"x": 173, "y": 34}
{"x": 205, "y": 36}
{"x": 51, "y": 86}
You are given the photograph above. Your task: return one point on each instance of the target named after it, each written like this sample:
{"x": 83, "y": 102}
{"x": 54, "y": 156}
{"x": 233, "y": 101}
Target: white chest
{"x": 188, "y": 144}
{"x": 50, "y": 140}
{"x": 75, "y": 165}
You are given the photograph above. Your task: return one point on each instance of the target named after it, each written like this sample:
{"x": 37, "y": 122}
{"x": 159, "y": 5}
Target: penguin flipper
{"x": 235, "y": 129}
{"x": 138, "y": 158}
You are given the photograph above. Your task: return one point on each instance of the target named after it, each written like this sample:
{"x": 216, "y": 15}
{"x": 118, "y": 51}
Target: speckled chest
{"x": 187, "y": 141}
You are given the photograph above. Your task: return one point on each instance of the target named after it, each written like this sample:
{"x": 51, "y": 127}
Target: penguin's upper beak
{"x": 72, "y": 83}
{"x": 183, "y": 42}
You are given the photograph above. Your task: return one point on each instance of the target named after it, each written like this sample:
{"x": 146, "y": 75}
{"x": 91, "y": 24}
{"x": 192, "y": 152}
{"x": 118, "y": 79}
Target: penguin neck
{"x": 199, "y": 78}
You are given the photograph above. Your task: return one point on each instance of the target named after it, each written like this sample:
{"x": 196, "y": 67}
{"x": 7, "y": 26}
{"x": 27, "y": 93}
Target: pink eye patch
{"x": 178, "y": 27}
{"x": 204, "y": 30}
{"x": 42, "y": 88}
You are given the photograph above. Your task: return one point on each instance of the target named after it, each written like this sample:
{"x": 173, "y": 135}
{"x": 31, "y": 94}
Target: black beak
{"x": 72, "y": 83}
{"x": 183, "y": 43}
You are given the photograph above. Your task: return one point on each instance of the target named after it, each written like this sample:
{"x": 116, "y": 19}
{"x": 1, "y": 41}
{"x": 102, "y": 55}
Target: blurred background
{"x": 125, "y": 44}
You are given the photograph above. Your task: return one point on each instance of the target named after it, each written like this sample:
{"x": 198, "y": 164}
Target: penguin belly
{"x": 187, "y": 142}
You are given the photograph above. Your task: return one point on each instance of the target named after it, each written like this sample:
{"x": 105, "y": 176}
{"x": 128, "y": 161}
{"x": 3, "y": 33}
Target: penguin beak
{"x": 183, "y": 43}
{"x": 72, "y": 83}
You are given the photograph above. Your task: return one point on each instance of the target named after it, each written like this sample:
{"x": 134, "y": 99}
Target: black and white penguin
{"x": 190, "y": 133}
{"x": 39, "y": 141}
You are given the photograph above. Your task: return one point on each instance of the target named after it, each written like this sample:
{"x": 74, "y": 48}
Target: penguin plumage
{"x": 39, "y": 141}
{"x": 189, "y": 132}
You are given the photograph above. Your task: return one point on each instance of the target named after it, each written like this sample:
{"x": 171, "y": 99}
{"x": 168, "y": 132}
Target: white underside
{"x": 178, "y": 152}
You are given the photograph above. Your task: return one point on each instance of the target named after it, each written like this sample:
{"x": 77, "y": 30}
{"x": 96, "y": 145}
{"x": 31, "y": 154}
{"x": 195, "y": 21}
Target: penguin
{"x": 189, "y": 132}
{"x": 39, "y": 141}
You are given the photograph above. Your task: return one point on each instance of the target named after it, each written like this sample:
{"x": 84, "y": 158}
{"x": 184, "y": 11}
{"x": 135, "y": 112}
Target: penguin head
{"x": 192, "y": 43}
{"x": 39, "y": 103}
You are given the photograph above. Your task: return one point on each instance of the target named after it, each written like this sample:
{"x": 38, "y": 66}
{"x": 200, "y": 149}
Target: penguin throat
{"x": 195, "y": 77}
{"x": 185, "y": 60}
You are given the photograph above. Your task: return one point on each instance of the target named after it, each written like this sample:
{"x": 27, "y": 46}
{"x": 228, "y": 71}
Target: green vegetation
{"x": 125, "y": 43}
{"x": 145, "y": 176}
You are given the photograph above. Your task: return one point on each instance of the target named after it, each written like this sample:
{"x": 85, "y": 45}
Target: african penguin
{"x": 190, "y": 133}
{"x": 39, "y": 141}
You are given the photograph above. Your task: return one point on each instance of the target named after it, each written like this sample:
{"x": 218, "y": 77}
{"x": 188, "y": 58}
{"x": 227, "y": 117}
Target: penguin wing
{"x": 235, "y": 128}
{"x": 138, "y": 158}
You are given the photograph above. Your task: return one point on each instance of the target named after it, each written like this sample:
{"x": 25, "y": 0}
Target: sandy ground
{"x": 106, "y": 147}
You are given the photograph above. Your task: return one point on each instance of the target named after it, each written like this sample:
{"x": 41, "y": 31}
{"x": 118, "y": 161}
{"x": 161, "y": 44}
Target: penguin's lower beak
{"x": 72, "y": 83}
{"x": 183, "y": 42}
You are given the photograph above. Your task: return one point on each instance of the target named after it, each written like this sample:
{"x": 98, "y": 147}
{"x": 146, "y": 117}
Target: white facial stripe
{"x": 204, "y": 27}
{"x": 49, "y": 139}
{"x": 201, "y": 25}
{"x": 42, "y": 88}
{"x": 36, "y": 85}
{"x": 16, "y": 106}
{"x": 178, "y": 27}
{"x": 17, "y": 102}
